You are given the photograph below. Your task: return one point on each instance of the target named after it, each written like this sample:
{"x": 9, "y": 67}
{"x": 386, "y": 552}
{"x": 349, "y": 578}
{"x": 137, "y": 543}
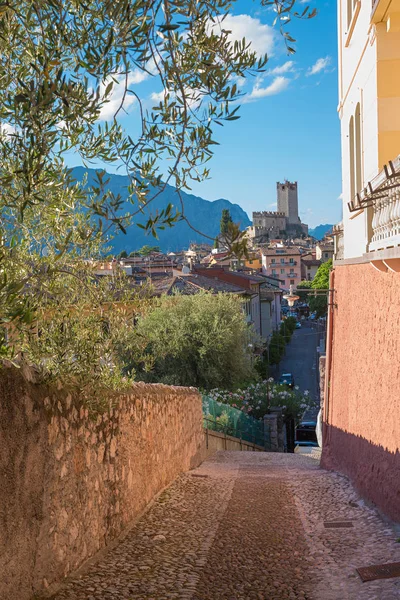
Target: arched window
{"x": 349, "y": 11}
{"x": 351, "y": 7}
{"x": 351, "y": 159}
{"x": 357, "y": 135}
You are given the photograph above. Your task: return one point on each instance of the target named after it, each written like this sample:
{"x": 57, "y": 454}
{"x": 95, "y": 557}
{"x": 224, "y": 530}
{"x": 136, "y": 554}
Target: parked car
{"x": 298, "y": 325}
{"x": 287, "y": 379}
{"x": 306, "y": 431}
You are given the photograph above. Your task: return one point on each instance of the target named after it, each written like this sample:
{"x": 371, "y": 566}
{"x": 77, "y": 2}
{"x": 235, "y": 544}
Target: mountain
{"x": 319, "y": 231}
{"x": 204, "y": 215}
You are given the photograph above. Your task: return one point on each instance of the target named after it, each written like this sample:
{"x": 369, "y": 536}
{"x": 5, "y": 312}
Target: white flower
{"x": 296, "y": 387}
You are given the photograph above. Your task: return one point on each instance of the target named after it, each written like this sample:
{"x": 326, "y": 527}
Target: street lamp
{"x": 291, "y": 297}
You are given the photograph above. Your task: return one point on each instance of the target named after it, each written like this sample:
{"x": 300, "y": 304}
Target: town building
{"x": 309, "y": 268}
{"x": 361, "y": 433}
{"x": 253, "y": 262}
{"x": 282, "y": 263}
{"x": 324, "y": 251}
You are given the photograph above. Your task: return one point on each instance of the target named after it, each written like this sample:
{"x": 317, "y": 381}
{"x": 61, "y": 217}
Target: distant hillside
{"x": 319, "y": 231}
{"x": 202, "y": 214}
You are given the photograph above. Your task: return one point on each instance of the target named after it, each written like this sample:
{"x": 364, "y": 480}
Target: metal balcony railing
{"x": 338, "y": 236}
{"x": 386, "y": 221}
{"x": 381, "y": 199}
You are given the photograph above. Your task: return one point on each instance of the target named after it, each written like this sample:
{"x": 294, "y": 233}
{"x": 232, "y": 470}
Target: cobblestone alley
{"x": 247, "y": 526}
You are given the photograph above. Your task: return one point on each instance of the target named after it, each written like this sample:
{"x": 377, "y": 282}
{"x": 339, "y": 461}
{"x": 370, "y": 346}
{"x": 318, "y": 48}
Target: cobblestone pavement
{"x": 247, "y": 526}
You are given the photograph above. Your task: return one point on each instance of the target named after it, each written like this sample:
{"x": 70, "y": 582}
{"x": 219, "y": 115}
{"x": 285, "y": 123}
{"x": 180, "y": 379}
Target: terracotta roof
{"x": 255, "y": 278}
{"x": 311, "y": 262}
{"x": 325, "y": 245}
{"x": 193, "y": 284}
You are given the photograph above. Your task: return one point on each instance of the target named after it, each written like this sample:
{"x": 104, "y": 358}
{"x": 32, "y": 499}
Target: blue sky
{"x": 289, "y": 126}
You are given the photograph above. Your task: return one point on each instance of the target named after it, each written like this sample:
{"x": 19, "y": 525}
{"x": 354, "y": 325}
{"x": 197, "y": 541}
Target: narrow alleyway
{"x": 247, "y": 526}
{"x": 301, "y": 357}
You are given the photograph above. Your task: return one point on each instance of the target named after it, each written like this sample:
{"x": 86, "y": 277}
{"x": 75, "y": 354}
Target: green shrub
{"x": 276, "y": 348}
{"x": 200, "y": 340}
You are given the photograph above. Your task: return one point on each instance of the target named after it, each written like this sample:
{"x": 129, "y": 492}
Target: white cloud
{"x": 158, "y": 96}
{"x": 115, "y": 98}
{"x": 262, "y": 37}
{"x": 137, "y": 76}
{"x": 287, "y": 67}
{"x": 321, "y": 65}
{"x": 192, "y": 97}
{"x": 7, "y": 129}
{"x": 240, "y": 81}
{"x": 278, "y": 85}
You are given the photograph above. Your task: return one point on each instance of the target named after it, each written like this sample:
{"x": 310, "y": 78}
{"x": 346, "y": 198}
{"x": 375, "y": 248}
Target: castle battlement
{"x": 293, "y": 184}
{"x": 266, "y": 213}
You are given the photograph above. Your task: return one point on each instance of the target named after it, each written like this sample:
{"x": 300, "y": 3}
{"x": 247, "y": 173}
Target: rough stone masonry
{"x": 72, "y": 481}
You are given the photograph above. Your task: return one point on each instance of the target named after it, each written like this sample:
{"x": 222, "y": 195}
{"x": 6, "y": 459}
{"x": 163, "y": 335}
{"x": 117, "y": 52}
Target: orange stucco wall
{"x": 362, "y": 435}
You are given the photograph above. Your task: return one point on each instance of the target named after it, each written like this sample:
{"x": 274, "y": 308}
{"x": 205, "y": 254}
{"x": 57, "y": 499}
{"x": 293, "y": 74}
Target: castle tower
{"x": 288, "y": 201}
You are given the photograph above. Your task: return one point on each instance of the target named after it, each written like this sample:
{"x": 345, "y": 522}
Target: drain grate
{"x": 337, "y": 524}
{"x": 379, "y": 571}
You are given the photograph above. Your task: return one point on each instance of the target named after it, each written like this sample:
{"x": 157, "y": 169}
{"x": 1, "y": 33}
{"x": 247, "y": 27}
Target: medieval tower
{"x": 288, "y": 201}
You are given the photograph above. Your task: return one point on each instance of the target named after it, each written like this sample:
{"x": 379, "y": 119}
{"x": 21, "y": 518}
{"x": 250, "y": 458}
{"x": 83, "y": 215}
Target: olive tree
{"x": 61, "y": 63}
{"x": 201, "y": 340}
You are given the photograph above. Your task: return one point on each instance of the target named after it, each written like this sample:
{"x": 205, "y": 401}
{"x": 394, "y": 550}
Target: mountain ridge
{"x": 202, "y": 214}
{"x": 320, "y": 231}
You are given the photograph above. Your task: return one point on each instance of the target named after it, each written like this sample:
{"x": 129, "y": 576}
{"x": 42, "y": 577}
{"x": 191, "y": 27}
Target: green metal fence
{"x": 231, "y": 421}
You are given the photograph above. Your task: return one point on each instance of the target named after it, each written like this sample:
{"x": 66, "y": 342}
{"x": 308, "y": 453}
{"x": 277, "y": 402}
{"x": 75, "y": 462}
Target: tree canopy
{"x": 225, "y": 220}
{"x": 321, "y": 279}
{"x": 69, "y": 70}
{"x": 146, "y": 250}
{"x": 200, "y": 340}
{"x": 318, "y": 302}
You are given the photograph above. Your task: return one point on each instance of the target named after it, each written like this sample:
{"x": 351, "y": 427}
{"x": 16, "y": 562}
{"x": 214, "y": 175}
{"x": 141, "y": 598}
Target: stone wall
{"x": 362, "y": 407}
{"x": 71, "y": 481}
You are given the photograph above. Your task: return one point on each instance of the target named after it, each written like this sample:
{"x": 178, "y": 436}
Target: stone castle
{"x": 285, "y": 221}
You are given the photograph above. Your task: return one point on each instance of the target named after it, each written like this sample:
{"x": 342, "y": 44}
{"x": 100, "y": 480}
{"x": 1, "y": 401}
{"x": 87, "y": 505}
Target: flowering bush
{"x": 256, "y": 399}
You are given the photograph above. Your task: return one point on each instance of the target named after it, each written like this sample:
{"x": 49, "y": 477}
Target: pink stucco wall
{"x": 362, "y": 411}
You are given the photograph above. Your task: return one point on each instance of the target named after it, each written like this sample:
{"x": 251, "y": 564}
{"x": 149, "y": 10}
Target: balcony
{"x": 386, "y": 221}
{"x": 381, "y": 199}
{"x": 338, "y": 238}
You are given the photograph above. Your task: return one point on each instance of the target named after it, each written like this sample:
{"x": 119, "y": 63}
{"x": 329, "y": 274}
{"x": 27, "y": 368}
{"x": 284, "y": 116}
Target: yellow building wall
{"x": 253, "y": 263}
{"x": 388, "y": 84}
